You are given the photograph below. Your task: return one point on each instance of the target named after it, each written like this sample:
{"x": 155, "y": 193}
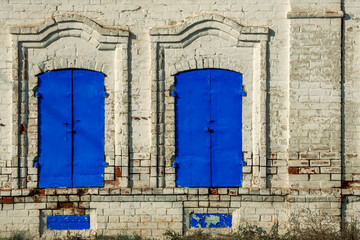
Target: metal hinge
{"x": 36, "y": 162}
{"x": 173, "y": 161}
{"x": 36, "y": 91}
{"x": 242, "y": 93}
{"x": 172, "y": 91}
{"x": 105, "y": 94}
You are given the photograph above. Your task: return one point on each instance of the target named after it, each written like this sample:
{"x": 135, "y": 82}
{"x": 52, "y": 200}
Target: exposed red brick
{"x": 40, "y": 191}
{"x": 293, "y": 170}
{"x": 273, "y": 156}
{"x": 213, "y": 191}
{"x": 351, "y": 184}
{"x": 117, "y": 171}
{"x": 79, "y": 211}
{"x": 66, "y": 204}
{"x": 8, "y": 200}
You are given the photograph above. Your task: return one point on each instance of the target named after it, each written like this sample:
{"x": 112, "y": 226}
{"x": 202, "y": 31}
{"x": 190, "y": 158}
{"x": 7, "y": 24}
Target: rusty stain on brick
{"x": 8, "y": 200}
{"x": 293, "y": 170}
{"x": 213, "y": 191}
{"x": 66, "y": 204}
{"x": 23, "y": 128}
{"x": 40, "y": 191}
{"x": 80, "y": 211}
{"x": 351, "y": 155}
{"x": 351, "y": 184}
{"x": 117, "y": 171}
{"x": 39, "y": 199}
{"x": 233, "y": 192}
{"x": 82, "y": 191}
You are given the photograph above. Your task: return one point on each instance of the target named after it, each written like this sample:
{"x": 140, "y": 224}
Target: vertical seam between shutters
{"x": 210, "y": 137}
{"x": 72, "y": 127}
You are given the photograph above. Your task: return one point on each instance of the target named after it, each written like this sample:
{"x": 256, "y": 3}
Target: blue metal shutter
{"x": 192, "y": 138}
{"x": 55, "y": 129}
{"x": 88, "y": 118}
{"x": 208, "y": 117}
{"x": 226, "y": 140}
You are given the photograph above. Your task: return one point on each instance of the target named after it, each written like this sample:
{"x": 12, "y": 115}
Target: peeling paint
{"x": 210, "y": 220}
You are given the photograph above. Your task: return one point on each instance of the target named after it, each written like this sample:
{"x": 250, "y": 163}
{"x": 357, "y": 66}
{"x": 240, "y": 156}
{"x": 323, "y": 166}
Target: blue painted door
{"x": 71, "y": 128}
{"x": 208, "y": 117}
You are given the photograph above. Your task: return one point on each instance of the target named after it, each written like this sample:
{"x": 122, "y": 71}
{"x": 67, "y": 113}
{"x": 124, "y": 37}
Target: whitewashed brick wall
{"x": 300, "y": 61}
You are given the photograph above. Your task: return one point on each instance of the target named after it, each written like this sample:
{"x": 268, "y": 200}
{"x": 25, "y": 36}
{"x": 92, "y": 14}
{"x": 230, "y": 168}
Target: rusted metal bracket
{"x": 36, "y": 162}
{"x": 36, "y": 91}
{"x": 172, "y": 91}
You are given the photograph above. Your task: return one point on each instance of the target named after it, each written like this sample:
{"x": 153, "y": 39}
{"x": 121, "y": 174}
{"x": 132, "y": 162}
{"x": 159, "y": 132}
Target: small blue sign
{"x": 68, "y": 222}
{"x": 210, "y": 220}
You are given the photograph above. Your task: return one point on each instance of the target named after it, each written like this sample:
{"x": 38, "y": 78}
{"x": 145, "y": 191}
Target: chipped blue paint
{"x": 208, "y": 120}
{"x": 68, "y": 222}
{"x": 210, "y": 220}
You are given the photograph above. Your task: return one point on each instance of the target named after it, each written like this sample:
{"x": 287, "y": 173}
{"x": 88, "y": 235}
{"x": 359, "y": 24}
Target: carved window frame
{"x": 24, "y": 75}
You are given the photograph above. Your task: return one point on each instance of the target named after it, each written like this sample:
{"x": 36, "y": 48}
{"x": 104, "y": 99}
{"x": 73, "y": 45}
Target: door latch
{"x": 210, "y": 130}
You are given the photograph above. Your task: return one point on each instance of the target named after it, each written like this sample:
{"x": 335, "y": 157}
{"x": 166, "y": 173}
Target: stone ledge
{"x": 325, "y": 14}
